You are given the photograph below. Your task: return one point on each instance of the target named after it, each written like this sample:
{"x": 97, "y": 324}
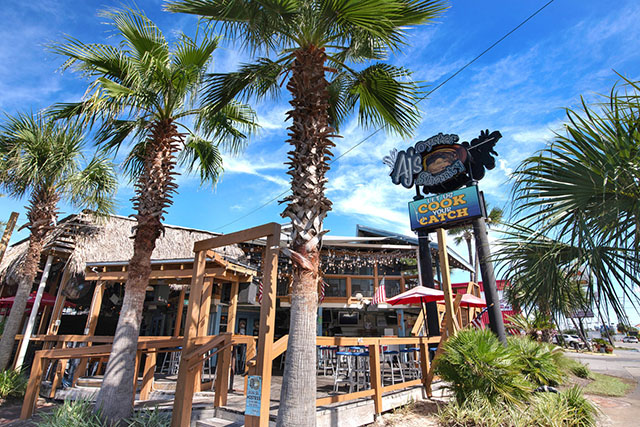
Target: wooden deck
{"x": 353, "y": 413}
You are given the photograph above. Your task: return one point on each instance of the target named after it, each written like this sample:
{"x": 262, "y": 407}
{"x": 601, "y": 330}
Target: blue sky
{"x": 520, "y": 88}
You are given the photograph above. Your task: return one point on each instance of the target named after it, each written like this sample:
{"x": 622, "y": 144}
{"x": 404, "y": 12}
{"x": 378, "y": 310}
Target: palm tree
{"x": 44, "y": 160}
{"x": 465, "y": 232}
{"x": 583, "y": 192}
{"x": 315, "y": 47}
{"x": 146, "y": 90}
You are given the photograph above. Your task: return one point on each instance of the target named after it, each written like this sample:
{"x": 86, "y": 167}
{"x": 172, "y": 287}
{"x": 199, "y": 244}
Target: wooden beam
{"x": 376, "y": 379}
{"x": 90, "y": 327}
{"x": 222, "y": 376}
{"x": 323, "y": 401}
{"x": 267, "y": 324}
{"x": 56, "y": 314}
{"x": 121, "y": 276}
{"x": 446, "y": 281}
{"x": 178, "y": 325}
{"x": 271, "y": 228}
{"x": 203, "y": 323}
{"x": 147, "y": 379}
{"x": 33, "y": 388}
{"x": 233, "y": 307}
{"x": 185, "y": 387}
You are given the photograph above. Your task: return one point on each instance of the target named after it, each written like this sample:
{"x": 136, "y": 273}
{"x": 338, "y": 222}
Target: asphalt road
{"x": 623, "y": 411}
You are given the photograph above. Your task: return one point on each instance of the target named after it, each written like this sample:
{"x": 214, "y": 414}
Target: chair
{"x": 344, "y": 371}
{"x": 390, "y": 358}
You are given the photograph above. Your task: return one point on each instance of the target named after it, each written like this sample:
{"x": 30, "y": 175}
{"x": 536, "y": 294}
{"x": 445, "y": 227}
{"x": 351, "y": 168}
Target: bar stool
{"x": 362, "y": 370}
{"x": 344, "y": 371}
{"x": 391, "y": 358}
{"x": 409, "y": 361}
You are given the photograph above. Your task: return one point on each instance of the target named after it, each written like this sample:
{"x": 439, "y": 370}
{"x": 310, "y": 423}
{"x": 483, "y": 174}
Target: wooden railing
{"x": 374, "y": 345}
{"x": 205, "y": 347}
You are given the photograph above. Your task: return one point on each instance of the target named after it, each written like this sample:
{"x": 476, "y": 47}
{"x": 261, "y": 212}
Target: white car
{"x": 630, "y": 339}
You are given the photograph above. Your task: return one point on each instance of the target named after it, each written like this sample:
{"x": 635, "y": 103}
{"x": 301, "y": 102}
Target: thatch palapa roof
{"x": 83, "y": 238}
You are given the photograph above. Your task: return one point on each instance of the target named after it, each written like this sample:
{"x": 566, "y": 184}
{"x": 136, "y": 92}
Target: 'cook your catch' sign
{"x": 445, "y": 210}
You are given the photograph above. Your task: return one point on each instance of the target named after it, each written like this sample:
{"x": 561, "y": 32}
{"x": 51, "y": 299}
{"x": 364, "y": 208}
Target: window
{"x": 362, "y": 286}
{"x": 391, "y": 287}
{"x": 336, "y": 287}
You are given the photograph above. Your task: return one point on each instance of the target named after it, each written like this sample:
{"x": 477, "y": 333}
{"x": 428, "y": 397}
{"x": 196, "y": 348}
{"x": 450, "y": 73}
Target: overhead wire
{"x": 465, "y": 66}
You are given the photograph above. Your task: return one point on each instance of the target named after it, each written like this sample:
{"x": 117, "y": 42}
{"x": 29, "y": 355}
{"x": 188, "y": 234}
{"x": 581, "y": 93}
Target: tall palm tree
{"x": 583, "y": 192}
{"x": 316, "y": 48}
{"x": 465, "y": 232}
{"x": 145, "y": 91}
{"x": 44, "y": 160}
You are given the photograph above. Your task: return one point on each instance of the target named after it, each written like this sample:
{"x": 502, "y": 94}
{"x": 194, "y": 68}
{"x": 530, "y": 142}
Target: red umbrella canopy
{"x": 417, "y": 295}
{"x": 47, "y": 299}
{"x": 469, "y": 300}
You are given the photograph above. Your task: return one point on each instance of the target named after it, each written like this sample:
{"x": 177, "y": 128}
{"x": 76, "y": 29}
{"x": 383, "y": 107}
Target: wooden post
{"x": 33, "y": 388}
{"x": 222, "y": 376}
{"x": 6, "y": 236}
{"x": 376, "y": 379}
{"x": 90, "y": 327}
{"x": 233, "y": 307}
{"x": 147, "y": 379}
{"x": 425, "y": 366}
{"x": 375, "y": 277}
{"x": 56, "y": 314}
{"x": 136, "y": 371}
{"x": 203, "y": 322}
{"x": 59, "y": 374}
{"x": 183, "y": 401}
{"x": 24, "y": 343}
{"x": 176, "y": 329}
{"x": 446, "y": 281}
{"x": 267, "y": 326}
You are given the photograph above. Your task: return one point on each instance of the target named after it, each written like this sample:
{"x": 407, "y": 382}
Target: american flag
{"x": 381, "y": 294}
{"x": 477, "y": 321}
{"x": 260, "y": 292}
{"x": 321, "y": 291}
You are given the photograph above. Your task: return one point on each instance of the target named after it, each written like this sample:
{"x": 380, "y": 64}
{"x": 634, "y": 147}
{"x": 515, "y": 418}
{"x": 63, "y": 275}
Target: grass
{"x": 606, "y": 385}
{"x": 12, "y": 384}
{"x": 79, "y": 413}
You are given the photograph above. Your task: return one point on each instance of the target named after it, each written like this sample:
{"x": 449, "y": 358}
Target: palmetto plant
{"x": 581, "y": 194}
{"x": 145, "y": 91}
{"x": 45, "y": 161}
{"x": 316, "y": 48}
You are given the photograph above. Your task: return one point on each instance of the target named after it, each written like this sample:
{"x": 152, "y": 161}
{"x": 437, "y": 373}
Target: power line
{"x": 461, "y": 69}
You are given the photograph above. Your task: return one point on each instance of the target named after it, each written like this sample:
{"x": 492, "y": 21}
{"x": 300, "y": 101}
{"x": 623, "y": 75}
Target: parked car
{"x": 569, "y": 341}
{"x": 630, "y": 339}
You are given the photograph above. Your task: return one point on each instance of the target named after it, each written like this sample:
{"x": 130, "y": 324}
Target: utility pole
{"x": 489, "y": 279}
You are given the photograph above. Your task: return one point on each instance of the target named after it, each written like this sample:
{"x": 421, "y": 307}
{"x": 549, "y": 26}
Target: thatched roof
{"x": 84, "y": 239}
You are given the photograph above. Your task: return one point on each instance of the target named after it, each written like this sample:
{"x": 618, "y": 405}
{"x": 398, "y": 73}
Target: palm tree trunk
{"x": 154, "y": 190}
{"x": 41, "y": 216}
{"x": 307, "y": 208}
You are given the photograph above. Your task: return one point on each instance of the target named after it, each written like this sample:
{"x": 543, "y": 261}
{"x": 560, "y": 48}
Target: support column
{"x": 90, "y": 326}
{"x": 489, "y": 279}
{"x": 178, "y": 324}
{"x": 446, "y": 282}
{"x": 233, "y": 306}
{"x": 425, "y": 268}
{"x": 22, "y": 348}
{"x": 185, "y": 387}
{"x": 264, "y": 361}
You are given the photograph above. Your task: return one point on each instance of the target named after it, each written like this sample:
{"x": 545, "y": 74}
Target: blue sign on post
{"x": 446, "y": 209}
{"x": 254, "y": 389}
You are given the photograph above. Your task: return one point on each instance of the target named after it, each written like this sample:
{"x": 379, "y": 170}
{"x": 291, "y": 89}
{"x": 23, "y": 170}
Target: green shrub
{"x": 583, "y": 413}
{"x": 565, "y": 409}
{"x": 538, "y": 362}
{"x": 72, "y": 413}
{"x": 150, "y": 418}
{"x": 12, "y": 384}
{"x": 475, "y": 361}
{"x": 581, "y": 371}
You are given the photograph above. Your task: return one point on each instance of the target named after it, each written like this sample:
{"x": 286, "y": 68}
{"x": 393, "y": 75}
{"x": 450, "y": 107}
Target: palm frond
{"x": 385, "y": 98}
{"x": 203, "y": 156}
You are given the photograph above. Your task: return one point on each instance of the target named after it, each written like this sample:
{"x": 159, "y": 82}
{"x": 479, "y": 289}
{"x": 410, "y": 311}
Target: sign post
{"x": 447, "y": 173}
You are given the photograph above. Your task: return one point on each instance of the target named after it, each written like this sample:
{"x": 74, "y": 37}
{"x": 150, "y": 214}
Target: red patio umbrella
{"x": 418, "y": 295}
{"x": 47, "y": 300}
{"x": 469, "y": 300}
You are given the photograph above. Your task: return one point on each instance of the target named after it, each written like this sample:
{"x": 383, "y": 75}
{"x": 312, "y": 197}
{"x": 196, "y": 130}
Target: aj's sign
{"x": 439, "y": 164}
{"x": 446, "y": 210}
